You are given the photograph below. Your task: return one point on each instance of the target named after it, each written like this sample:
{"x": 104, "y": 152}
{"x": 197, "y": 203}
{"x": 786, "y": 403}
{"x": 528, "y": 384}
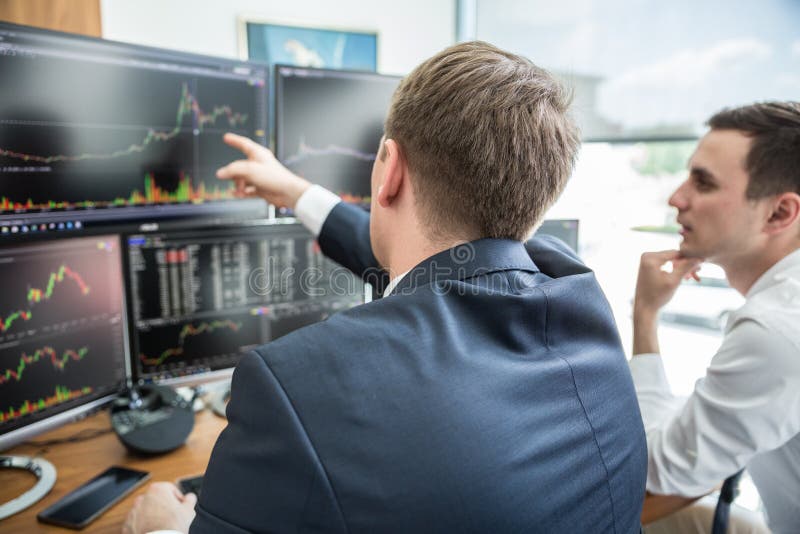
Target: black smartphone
{"x": 84, "y": 504}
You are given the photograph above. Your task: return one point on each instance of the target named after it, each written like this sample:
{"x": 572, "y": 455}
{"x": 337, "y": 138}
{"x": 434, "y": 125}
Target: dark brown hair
{"x": 488, "y": 139}
{"x": 773, "y": 162}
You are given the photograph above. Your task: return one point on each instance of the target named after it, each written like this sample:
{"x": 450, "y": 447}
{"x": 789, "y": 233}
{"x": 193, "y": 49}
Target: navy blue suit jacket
{"x": 487, "y": 393}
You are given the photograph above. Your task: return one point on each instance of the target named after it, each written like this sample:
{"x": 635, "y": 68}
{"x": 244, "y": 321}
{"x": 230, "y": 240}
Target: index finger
{"x": 242, "y": 143}
{"x": 237, "y": 169}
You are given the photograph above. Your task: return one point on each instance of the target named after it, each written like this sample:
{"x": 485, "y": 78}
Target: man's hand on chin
{"x": 655, "y": 286}
{"x": 162, "y": 507}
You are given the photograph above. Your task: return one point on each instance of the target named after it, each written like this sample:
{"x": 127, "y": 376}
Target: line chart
{"x": 58, "y": 362}
{"x": 305, "y": 152}
{"x": 5, "y": 323}
{"x": 36, "y": 295}
{"x": 190, "y": 330}
{"x": 188, "y": 105}
{"x": 85, "y": 133}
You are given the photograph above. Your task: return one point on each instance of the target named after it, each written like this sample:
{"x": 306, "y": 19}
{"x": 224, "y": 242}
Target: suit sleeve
{"x": 264, "y": 473}
{"x": 345, "y": 239}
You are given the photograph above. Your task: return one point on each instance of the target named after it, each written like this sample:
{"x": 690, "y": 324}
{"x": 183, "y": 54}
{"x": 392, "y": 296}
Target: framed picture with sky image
{"x": 305, "y": 45}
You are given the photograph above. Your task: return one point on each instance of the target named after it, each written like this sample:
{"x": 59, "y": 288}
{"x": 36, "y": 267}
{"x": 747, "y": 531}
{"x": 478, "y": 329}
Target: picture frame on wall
{"x": 305, "y": 45}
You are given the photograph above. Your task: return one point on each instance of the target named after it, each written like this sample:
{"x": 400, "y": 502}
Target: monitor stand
{"x": 45, "y": 473}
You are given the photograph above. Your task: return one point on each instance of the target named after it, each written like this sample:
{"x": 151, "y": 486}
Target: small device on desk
{"x": 152, "y": 419}
{"x": 84, "y": 504}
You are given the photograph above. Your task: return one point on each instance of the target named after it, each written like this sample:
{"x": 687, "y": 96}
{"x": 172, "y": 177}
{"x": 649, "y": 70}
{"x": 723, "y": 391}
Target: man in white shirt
{"x": 740, "y": 209}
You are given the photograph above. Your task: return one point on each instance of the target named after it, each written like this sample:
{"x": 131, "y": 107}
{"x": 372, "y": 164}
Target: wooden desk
{"x": 659, "y": 506}
{"x": 78, "y": 462}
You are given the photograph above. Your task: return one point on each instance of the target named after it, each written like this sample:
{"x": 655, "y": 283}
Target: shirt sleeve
{"x": 656, "y": 401}
{"x": 314, "y": 206}
{"x": 748, "y": 402}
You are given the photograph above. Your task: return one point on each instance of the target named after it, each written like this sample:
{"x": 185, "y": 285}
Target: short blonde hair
{"x": 488, "y": 139}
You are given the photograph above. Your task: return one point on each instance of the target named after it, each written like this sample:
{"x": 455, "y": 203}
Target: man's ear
{"x": 785, "y": 212}
{"x": 394, "y": 172}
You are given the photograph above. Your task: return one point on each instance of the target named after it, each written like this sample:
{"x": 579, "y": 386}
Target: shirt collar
{"x": 393, "y": 283}
{"x": 777, "y": 273}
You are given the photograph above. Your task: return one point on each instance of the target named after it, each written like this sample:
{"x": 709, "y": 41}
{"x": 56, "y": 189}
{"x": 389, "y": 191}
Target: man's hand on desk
{"x": 162, "y": 507}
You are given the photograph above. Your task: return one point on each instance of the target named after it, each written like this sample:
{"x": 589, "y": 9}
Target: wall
{"x": 75, "y": 16}
{"x": 407, "y": 35}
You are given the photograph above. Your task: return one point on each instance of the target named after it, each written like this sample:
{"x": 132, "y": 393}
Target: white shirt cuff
{"x": 314, "y": 206}
{"x": 656, "y": 401}
{"x": 648, "y": 372}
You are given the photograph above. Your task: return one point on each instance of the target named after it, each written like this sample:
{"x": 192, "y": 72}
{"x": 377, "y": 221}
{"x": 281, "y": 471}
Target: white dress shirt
{"x": 314, "y": 206}
{"x": 744, "y": 412}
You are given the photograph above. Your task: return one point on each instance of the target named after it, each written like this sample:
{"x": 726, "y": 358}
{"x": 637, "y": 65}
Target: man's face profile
{"x": 717, "y": 221}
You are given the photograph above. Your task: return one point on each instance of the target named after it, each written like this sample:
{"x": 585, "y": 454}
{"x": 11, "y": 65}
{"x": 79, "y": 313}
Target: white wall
{"x": 409, "y": 31}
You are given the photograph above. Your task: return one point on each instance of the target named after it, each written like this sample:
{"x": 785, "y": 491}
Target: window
{"x": 619, "y": 192}
{"x": 648, "y": 69}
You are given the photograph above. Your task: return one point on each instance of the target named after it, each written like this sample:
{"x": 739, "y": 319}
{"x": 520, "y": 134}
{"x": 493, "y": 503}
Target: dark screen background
{"x": 329, "y": 125}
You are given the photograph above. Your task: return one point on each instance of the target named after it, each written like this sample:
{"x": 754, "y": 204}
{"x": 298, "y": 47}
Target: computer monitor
{"x": 93, "y": 130}
{"x": 62, "y": 332}
{"x": 201, "y": 297}
{"x": 329, "y": 124}
{"x": 564, "y": 229}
